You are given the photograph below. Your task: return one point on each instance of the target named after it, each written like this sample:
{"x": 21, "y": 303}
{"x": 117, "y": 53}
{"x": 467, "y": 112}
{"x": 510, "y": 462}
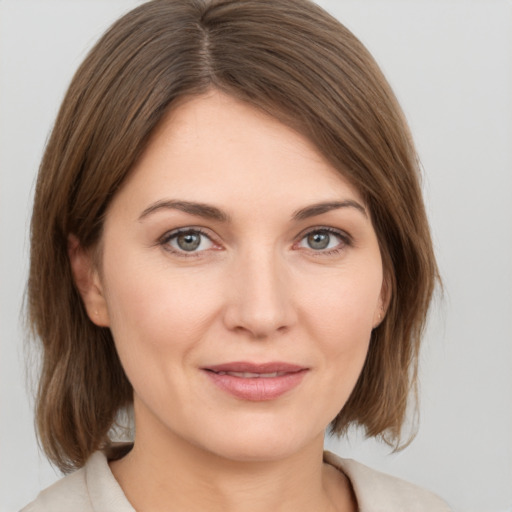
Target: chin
{"x": 259, "y": 443}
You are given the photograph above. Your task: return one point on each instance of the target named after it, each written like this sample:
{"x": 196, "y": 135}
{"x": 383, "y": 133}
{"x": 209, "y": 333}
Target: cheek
{"x": 340, "y": 316}
{"x": 155, "y": 312}
{"x": 343, "y": 304}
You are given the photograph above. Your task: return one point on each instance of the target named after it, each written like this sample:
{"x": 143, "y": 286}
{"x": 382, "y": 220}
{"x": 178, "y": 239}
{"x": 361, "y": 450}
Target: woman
{"x": 228, "y": 235}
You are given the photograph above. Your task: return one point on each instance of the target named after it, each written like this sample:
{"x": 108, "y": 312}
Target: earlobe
{"x": 88, "y": 283}
{"x": 378, "y": 316}
{"x": 383, "y": 303}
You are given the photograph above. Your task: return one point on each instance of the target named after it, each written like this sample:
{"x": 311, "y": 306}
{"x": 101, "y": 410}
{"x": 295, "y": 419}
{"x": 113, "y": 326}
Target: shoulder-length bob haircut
{"x": 288, "y": 58}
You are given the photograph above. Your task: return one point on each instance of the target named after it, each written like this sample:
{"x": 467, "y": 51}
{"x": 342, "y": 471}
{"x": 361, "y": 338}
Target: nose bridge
{"x": 261, "y": 302}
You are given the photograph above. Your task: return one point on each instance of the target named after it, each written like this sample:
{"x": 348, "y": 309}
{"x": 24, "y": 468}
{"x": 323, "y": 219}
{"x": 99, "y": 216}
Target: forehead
{"x": 214, "y": 148}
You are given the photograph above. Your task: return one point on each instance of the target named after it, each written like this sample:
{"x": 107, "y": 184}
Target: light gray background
{"x": 450, "y": 63}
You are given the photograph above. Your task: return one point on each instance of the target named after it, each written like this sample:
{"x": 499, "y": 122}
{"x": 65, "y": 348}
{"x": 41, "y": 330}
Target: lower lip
{"x": 257, "y": 389}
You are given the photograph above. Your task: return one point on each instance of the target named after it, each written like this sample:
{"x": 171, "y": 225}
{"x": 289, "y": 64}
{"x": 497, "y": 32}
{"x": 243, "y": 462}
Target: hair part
{"x": 288, "y": 58}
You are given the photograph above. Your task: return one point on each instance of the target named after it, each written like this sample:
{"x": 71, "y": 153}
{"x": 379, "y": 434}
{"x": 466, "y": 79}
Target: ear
{"x": 383, "y": 302}
{"x": 88, "y": 283}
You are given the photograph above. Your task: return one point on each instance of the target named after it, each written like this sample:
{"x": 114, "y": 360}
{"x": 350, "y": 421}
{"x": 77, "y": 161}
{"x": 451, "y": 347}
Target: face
{"x": 241, "y": 278}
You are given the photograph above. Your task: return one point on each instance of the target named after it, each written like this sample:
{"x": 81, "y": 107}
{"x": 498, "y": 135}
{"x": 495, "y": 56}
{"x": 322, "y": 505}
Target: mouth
{"x": 256, "y": 382}
{"x": 250, "y": 375}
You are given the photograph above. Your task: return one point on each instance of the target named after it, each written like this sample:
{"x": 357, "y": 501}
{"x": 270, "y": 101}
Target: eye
{"x": 187, "y": 240}
{"x": 324, "y": 240}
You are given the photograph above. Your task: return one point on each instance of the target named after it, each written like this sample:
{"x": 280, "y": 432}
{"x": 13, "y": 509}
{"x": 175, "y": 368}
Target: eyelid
{"x": 343, "y": 235}
{"x": 164, "y": 240}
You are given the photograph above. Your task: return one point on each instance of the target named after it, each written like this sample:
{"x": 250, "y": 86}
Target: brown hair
{"x": 288, "y": 58}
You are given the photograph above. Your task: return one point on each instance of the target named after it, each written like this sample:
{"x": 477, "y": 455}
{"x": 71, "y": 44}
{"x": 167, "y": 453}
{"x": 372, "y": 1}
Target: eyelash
{"x": 171, "y": 235}
{"x": 345, "y": 241}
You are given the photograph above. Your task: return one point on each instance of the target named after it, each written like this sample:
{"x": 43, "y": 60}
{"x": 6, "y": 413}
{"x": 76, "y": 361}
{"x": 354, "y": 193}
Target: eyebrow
{"x": 319, "y": 208}
{"x": 199, "y": 209}
{"x": 212, "y": 212}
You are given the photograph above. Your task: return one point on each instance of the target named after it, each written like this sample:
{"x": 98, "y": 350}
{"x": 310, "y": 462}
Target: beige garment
{"x": 94, "y": 489}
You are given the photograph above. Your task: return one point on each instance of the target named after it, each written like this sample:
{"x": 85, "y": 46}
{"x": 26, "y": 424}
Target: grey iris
{"x": 318, "y": 240}
{"x": 189, "y": 241}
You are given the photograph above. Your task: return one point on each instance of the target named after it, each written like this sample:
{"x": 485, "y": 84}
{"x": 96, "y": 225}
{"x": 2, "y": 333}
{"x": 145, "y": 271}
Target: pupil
{"x": 189, "y": 241}
{"x": 318, "y": 240}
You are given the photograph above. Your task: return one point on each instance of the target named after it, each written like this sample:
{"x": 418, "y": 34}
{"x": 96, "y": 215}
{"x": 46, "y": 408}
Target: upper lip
{"x": 247, "y": 367}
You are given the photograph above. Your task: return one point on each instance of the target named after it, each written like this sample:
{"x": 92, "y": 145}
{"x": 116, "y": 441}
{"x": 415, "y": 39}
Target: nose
{"x": 260, "y": 296}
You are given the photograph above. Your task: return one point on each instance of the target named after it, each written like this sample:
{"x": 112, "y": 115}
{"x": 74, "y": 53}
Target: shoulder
{"x": 92, "y": 488}
{"x": 69, "y": 493}
{"x": 379, "y": 492}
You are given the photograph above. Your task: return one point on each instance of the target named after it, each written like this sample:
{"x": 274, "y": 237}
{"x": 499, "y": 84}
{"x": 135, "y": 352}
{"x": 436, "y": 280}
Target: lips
{"x": 256, "y": 382}
{"x": 250, "y": 375}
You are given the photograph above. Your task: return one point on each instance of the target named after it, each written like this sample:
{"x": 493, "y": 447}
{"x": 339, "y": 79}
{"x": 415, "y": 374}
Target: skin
{"x": 255, "y": 289}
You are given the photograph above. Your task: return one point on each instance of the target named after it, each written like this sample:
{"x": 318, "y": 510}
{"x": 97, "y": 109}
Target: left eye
{"x": 321, "y": 240}
{"x": 190, "y": 240}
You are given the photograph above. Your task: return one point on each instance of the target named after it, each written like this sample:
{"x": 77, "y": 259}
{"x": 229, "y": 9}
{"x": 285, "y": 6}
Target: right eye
{"x": 187, "y": 241}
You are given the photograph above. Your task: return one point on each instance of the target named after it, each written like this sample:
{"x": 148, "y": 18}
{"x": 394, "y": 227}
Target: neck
{"x": 167, "y": 473}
